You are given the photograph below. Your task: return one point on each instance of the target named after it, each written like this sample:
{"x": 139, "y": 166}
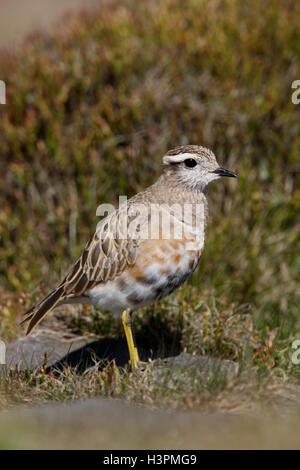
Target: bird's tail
{"x": 37, "y": 313}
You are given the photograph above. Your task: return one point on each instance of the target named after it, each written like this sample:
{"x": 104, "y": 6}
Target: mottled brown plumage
{"x": 121, "y": 266}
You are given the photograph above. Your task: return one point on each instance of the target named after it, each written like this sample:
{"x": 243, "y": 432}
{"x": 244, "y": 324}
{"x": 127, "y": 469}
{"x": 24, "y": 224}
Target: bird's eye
{"x": 190, "y": 162}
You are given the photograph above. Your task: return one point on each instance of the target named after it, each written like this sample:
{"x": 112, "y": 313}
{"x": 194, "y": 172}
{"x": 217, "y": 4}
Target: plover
{"x": 145, "y": 249}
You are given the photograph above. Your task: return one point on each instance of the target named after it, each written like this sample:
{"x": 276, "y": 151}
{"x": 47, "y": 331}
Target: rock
{"x": 105, "y": 424}
{"x": 205, "y": 364}
{"x": 110, "y": 424}
{"x": 29, "y": 352}
{"x": 80, "y": 351}
{"x": 34, "y": 351}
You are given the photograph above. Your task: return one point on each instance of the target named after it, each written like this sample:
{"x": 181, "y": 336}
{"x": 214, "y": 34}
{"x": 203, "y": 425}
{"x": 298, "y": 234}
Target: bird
{"x": 146, "y": 248}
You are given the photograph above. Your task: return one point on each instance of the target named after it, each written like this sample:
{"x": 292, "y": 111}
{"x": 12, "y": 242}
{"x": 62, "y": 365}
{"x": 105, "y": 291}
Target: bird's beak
{"x": 223, "y": 172}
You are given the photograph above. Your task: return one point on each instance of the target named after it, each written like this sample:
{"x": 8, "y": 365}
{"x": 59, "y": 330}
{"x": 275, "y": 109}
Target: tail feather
{"x": 37, "y": 313}
{"x": 29, "y": 314}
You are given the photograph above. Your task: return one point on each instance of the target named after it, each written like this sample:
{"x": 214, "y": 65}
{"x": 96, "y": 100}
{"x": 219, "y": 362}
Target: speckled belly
{"x": 160, "y": 268}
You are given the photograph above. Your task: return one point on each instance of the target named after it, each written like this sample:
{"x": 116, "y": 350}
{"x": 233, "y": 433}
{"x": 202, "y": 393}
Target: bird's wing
{"x": 112, "y": 247}
{"x": 109, "y": 251}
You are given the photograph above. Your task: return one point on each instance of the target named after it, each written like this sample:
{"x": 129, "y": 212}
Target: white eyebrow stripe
{"x": 180, "y": 157}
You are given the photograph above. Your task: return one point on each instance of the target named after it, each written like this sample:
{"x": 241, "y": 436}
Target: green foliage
{"x": 91, "y": 109}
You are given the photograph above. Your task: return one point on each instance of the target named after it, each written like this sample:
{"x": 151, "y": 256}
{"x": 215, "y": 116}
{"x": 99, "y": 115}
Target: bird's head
{"x": 193, "y": 166}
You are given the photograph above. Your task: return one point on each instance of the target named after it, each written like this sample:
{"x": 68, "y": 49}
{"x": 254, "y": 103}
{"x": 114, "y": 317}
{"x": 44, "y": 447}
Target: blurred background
{"x": 94, "y": 99}
{"x": 19, "y": 18}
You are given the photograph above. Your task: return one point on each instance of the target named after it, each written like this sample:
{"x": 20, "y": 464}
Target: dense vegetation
{"x": 91, "y": 108}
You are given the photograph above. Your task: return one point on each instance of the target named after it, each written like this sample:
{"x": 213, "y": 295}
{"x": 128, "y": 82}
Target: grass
{"x": 91, "y": 108}
{"x": 157, "y": 386}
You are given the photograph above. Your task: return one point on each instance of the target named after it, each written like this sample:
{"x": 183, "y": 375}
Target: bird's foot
{"x": 140, "y": 365}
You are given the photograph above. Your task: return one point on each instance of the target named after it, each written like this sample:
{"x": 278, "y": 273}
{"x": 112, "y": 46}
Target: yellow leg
{"x": 133, "y": 352}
